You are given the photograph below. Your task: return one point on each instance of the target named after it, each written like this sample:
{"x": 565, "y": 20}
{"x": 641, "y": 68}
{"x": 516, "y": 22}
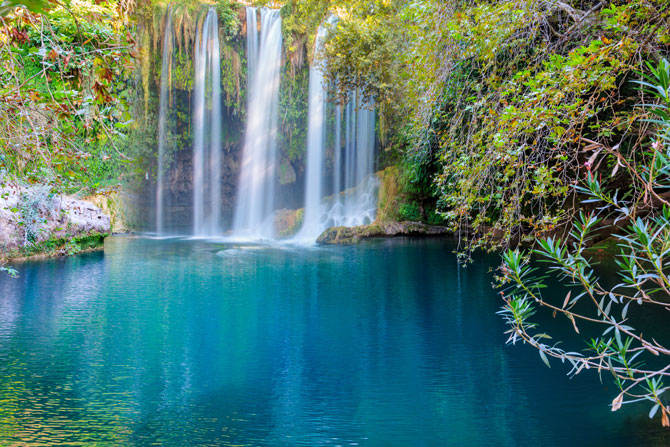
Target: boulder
{"x": 353, "y": 235}
{"x": 287, "y": 174}
{"x": 30, "y": 215}
{"x": 115, "y": 205}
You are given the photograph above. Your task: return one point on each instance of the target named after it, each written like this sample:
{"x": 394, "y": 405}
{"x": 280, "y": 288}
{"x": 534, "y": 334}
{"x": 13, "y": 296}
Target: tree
{"x": 640, "y": 221}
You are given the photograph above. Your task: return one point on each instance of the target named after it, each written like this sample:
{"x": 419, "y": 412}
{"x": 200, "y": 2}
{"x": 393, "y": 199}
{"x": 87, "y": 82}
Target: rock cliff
{"x": 32, "y": 215}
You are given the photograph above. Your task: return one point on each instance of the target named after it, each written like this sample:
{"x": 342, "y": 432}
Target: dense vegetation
{"x": 490, "y": 110}
{"x": 65, "y": 97}
{"x": 642, "y": 238}
{"x": 510, "y": 121}
{"x": 506, "y": 101}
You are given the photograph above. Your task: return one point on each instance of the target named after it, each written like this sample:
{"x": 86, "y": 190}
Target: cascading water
{"x": 312, "y": 216}
{"x": 337, "y": 152}
{"x": 256, "y": 191}
{"x": 252, "y": 43}
{"x": 207, "y": 130}
{"x": 354, "y": 185}
{"x": 168, "y": 44}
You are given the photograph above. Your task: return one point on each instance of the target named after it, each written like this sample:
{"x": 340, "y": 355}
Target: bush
{"x": 410, "y": 211}
{"x": 638, "y": 362}
{"x": 36, "y": 203}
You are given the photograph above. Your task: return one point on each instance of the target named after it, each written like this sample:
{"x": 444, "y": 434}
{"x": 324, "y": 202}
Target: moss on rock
{"x": 353, "y": 235}
{"x": 59, "y": 246}
{"x": 288, "y": 222}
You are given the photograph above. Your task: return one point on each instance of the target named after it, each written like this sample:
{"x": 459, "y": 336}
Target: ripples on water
{"x": 182, "y": 343}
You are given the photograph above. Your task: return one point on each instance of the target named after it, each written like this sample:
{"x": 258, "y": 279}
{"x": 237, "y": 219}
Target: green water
{"x": 182, "y": 343}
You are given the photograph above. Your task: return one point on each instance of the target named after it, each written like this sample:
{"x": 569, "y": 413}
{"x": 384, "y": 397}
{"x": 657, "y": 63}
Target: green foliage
{"x": 658, "y": 84}
{"x": 229, "y": 18}
{"x": 64, "y": 98}
{"x": 389, "y": 195}
{"x": 300, "y": 20}
{"x": 361, "y": 50}
{"x": 512, "y": 140}
{"x": 233, "y": 76}
{"x": 433, "y": 217}
{"x": 494, "y": 103}
{"x": 61, "y": 246}
{"x": 410, "y": 211}
{"x": 182, "y": 71}
{"x": 186, "y": 17}
{"x": 398, "y": 200}
{"x": 36, "y": 6}
{"x": 293, "y": 108}
{"x": 642, "y": 234}
{"x": 35, "y": 202}
{"x": 9, "y": 271}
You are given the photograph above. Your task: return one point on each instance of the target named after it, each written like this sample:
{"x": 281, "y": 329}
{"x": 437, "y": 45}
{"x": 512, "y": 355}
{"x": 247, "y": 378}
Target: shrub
{"x": 638, "y": 362}
{"x": 36, "y": 204}
{"x": 409, "y": 211}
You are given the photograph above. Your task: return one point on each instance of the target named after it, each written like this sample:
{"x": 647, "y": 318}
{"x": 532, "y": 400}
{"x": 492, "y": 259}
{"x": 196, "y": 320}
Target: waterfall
{"x": 312, "y": 226}
{"x": 355, "y": 199}
{"x": 354, "y": 184}
{"x": 256, "y": 189}
{"x": 168, "y": 44}
{"x": 207, "y": 130}
{"x": 337, "y": 151}
{"x": 252, "y": 44}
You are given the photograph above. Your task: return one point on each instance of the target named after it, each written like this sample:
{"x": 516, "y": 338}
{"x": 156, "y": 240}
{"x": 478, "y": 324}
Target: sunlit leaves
{"x": 642, "y": 235}
{"x": 64, "y": 74}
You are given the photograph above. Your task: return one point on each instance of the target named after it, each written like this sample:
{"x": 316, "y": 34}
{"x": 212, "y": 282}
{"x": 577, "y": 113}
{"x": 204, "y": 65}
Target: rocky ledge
{"x": 353, "y": 235}
{"x": 33, "y": 221}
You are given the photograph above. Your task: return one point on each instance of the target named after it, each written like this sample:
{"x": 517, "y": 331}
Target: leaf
{"x": 616, "y": 403}
{"x": 608, "y": 308}
{"x": 567, "y": 299}
{"x": 624, "y": 312}
{"x": 653, "y": 411}
{"x": 544, "y": 358}
{"x": 664, "y": 418}
{"x": 36, "y": 6}
{"x": 592, "y": 158}
{"x": 652, "y": 350}
{"x": 574, "y": 324}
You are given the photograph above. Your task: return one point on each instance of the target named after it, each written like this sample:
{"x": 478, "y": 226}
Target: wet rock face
{"x": 29, "y": 215}
{"x": 120, "y": 207}
{"x": 287, "y": 174}
{"x": 288, "y": 222}
{"x": 353, "y": 235}
{"x": 179, "y": 186}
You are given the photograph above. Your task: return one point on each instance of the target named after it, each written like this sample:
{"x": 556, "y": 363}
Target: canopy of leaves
{"x": 495, "y": 105}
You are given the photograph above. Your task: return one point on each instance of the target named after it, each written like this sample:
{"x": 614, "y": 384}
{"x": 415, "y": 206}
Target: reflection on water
{"x": 192, "y": 343}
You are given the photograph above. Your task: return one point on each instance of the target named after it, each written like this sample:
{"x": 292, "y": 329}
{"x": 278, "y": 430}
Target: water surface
{"x": 180, "y": 343}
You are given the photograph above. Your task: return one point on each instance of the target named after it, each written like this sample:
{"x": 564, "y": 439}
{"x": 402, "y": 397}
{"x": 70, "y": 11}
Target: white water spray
{"x": 354, "y": 184}
{"x": 256, "y": 191}
{"x": 207, "y": 130}
{"x": 316, "y": 136}
{"x": 355, "y": 199}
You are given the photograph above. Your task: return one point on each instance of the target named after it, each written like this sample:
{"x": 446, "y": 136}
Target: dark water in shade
{"x": 182, "y": 343}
